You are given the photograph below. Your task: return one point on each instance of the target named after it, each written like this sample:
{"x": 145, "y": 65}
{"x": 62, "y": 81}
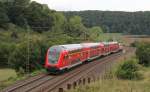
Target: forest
{"x": 116, "y": 21}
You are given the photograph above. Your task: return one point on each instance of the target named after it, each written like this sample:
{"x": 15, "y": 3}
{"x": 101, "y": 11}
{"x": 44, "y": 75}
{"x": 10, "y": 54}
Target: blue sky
{"x": 111, "y": 5}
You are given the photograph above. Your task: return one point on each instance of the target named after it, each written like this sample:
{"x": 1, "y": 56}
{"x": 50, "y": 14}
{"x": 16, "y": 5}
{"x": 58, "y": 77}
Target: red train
{"x": 61, "y": 57}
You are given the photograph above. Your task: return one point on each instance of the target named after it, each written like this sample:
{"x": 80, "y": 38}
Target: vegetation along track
{"x": 48, "y": 83}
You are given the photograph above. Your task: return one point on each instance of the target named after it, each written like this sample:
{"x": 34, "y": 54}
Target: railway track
{"x": 49, "y": 83}
{"x": 24, "y": 82}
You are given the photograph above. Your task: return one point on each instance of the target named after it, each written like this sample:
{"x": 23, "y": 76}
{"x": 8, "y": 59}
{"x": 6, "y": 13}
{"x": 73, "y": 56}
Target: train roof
{"x": 109, "y": 43}
{"x": 79, "y": 46}
{"x": 71, "y": 46}
{"x": 90, "y": 44}
{"x": 113, "y": 42}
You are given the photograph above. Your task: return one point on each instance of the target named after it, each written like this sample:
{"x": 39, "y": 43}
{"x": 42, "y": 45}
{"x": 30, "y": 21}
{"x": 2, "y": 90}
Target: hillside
{"x": 116, "y": 21}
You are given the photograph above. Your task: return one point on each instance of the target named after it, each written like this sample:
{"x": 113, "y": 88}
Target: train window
{"x": 81, "y": 54}
{"x": 66, "y": 57}
{"x": 95, "y": 47}
{"x": 54, "y": 53}
{"x": 75, "y": 51}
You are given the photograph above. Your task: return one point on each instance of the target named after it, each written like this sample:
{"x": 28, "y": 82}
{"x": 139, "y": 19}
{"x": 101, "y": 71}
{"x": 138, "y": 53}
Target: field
{"x": 6, "y": 73}
{"x": 7, "y": 77}
{"x": 128, "y": 39}
{"x": 110, "y": 36}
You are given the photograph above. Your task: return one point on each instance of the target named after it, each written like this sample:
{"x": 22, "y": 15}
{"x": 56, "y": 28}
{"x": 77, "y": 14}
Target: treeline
{"x": 38, "y": 17}
{"x": 115, "y": 21}
{"x": 28, "y": 29}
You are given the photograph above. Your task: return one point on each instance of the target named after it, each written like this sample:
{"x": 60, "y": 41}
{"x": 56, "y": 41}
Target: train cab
{"x": 53, "y": 58}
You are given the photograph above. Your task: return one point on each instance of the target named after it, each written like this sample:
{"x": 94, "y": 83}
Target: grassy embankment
{"x": 113, "y": 84}
{"x": 7, "y": 73}
{"x": 8, "y": 76}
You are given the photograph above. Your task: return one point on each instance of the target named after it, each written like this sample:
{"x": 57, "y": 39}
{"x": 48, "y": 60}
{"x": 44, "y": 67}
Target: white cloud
{"x": 114, "y": 5}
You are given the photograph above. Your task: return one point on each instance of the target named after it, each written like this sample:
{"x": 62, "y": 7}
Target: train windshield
{"x": 54, "y": 53}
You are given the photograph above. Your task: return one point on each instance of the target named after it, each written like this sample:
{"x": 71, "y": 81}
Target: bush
{"x": 19, "y": 58}
{"x": 143, "y": 53}
{"x": 5, "y": 51}
{"x": 128, "y": 70}
{"x": 134, "y": 44}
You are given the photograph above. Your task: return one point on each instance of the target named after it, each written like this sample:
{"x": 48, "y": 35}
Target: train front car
{"x": 53, "y": 58}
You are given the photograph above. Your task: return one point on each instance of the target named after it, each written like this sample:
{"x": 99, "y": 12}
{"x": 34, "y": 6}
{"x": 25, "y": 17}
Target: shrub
{"x": 5, "y": 52}
{"x": 19, "y": 57}
{"x": 134, "y": 44}
{"x": 143, "y": 53}
{"x": 128, "y": 70}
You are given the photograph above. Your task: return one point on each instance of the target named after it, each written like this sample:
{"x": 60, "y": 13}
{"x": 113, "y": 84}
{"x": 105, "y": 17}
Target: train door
{"x": 85, "y": 55}
{"x": 99, "y": 51}
{"x": 66, "y": 60}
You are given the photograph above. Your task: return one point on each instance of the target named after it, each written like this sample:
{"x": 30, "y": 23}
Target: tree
{"x": 16, "y": 10}
{"x": 36, "y": 53}
{"x": 39, "y": 17}
{"x": 76, "y": 27}
{"x": 95, "y": 33}
{"x": 3, "y": 16}
{"x": 5, "y": 52}
{"x": 115, "y": 21}
{"x": 143, "y": 53}
{"x": 59, "y": 22}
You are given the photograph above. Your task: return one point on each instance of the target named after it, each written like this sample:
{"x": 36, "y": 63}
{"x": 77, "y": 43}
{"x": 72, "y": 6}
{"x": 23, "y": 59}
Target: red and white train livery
{"x": 62, "y": 57}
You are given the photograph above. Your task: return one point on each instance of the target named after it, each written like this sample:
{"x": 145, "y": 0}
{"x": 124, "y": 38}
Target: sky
{"x": 110, "y": 5}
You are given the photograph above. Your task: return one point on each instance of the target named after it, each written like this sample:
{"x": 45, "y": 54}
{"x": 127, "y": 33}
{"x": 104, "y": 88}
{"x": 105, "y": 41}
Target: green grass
{"x": 115, "y": 85}
{"x": 9, "y": 76}
{"x": 7, "y": 73}
{"x": 108, "y": 36}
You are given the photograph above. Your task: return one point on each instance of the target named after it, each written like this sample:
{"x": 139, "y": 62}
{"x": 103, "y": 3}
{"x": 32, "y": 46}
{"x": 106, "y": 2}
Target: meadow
{"x": 6, "y": 73}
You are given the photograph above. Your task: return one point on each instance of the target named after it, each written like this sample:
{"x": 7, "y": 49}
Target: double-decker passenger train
{"x": 61, "y": 57}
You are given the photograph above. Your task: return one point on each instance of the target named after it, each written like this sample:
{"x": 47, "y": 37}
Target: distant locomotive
{"x": 61, "y": 57}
